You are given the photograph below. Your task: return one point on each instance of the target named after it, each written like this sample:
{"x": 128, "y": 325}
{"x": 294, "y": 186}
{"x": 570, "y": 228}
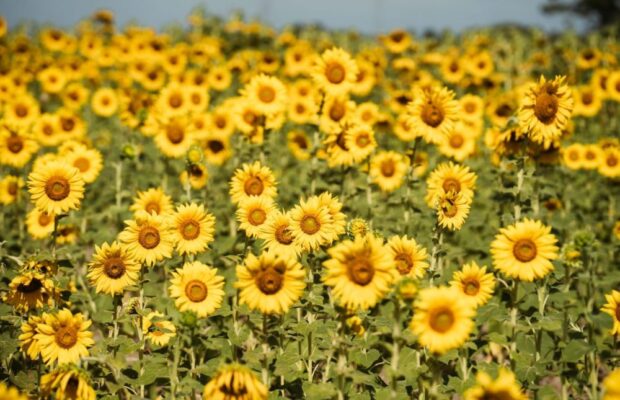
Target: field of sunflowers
{"x": 227, "y": 211}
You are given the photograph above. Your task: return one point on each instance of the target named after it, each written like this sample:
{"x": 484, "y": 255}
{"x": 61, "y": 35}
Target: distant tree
{"x": 601, "y": 12}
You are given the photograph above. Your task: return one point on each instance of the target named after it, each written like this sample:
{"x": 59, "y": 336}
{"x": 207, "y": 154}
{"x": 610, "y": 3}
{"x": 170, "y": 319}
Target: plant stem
{"x": 396, "y": 333}
{"x": 265, "y": 369}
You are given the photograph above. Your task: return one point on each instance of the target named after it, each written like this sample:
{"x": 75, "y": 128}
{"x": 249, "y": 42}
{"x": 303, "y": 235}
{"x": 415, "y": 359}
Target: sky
{"x": 367, "y": 16}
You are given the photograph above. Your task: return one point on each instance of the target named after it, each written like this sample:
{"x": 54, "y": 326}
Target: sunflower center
{"x": 148, "y": 237}
{"x": 152, "y": 207}
{"x": 300, "y": 141}
{"x": 57, "y": 188}
{"x": 175, "y": 134}
{"x": 335, "y": 73}
{"x": 44, "y": 219}
{"x": 587, "y": 98}
{"x": 66, "y": 337}
{"x": 48, "y": 130}
{"x": 82, "y": 164}
{"x": 266, "y": 94}
{"x": 448, "y": 208}
{"x": 360, "y": 271}
{"x": 215, "y": 146}
{"x": 190, "y": 230}
{"x": 220, "y": 122}
{"x": 257, "y": 216}
{"x": 470, "y": 108}
{"x": 114, "y": 267}
{"x": 546, "y": 106}
{"x": 175, "y": 100}
{"x": 253, "y": 186}
{"x": 492, "y": 394}
{"x": 456, "y": 141}
{"x": 362, "y": 140}
{"x": 574, "y": 156}
{"x": 67, "y": 124}
{"x": 12, "y": 188}
{"x": 442, "y": 320}
{"x": 432, "y": 115}
{"x": 524, "y": 250}
{"x": 471, "y": 287}
{"x": 618, "y": 312}
{"x": 270, "y": 281}
{"x": 403, "y": 263}
{"x": 388, "y": 168}
{"x": 300, "y": 108}
{"x": 196, "y": 98}
{"x": 21, "y": 110}
{"x": 196, "y": 291}
{"x": 612, "y": 161}
{"x": 336, "y": 111}
{"x": 310, "y": 224}
{"x": 283, "y": 235}
{"x": 589, "y": 155}
{"x": 33, "y": 286}
{"x": 15, "y": 144}
{"x": 451, "y": 184}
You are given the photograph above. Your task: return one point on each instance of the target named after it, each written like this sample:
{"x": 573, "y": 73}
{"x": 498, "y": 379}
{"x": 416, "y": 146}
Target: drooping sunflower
{"x": 612, "y": 307}
{"x": 311, "y": 224}
{"x": 252, "y": 180}
{"x": 452, "y": 210}
{"x": 88, "y": 161}
{"x": 63, "y": 337}
{"x": 266, "y": 93}
{"x": 253, "y": 212}
{"x": 524, "y": 250}
{"x": 335, "y": 72}
{"x": 158, "y": 330}
{"x": 474, "y": 282}
{"x": 270, "y": 283}
{"x": 193, "y": 228}
{"x": 112, "y": 269}
{"x": 10, "y": 188}
{"x": 278, "y": 237}
{"x": 504, "y": 387}
{"x": 30, "y": 290}
{"x": 68, "y": 382}
{"x": 442, "y": 319}
{"x": 433, "y": 113}
{"x": 449, "y": 177}
{"x": 148, "y": 237}
{"x": 16, "y": 147}
{"x": 360, "y": 272}
{"x": 388, "y": 169}
{"x": 235, "y": 382}
{"x": 9, "y": 392}
{"x": 408, "y": 256}
{"x": 198, "y": 288}
{"x": 546, "y": 110}
{"x": 153, "y": 201}
{"x": 56, "y": 187}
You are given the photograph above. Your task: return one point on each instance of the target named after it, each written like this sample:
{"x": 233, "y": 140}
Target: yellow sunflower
{"x": 235, "y": 382}
{"x": 471, "y": 107}
{"x": 153, "y": 201}
{"x": 196, "y": 175}
{"x": 360, "y": 140}
{"x": 16, "y": 147}
{"x": 10, "y": 188}
{"x": 611, "y": 384}
{"x": 573, "y": 156}
{"x": 433, "y": 113}
{"x": 546, "y": 110}
{"x": 592, "y": 156}
{"x": 68, "y": 382}
{"x": 270, "y": 283}
{"x": 460, "y": 143}
{"x": 158, "y": 330}
{"x": 266, "y": 93}
{"x": 88, "y": 161}
{"x": 9, "y": 392}
{"x": 613, "y": 308}
{"x": 47, "y": 130}
{"x": 312, "y": 224}
{"x": 112, "y": 269}
{"x": 299, "y": 144}
{"x": 504, "y": 387}
{"x": 588, "y": 101}
{"x": 452, "y": 210}
{"x": 174, "y": 137}
{"x": 278, "y": 237}
{"x": 27, "y": 341}
{"x": 63, "y": 337}
{"x": 104, "y": 102}
{"x": 252, "y": 180}
{"x": 361, "y": 272}
{"x": 253, "y": 212}
{"x": 335, "y": 71}
{"x": 56, "y": 187}
{"x": 524, "y": 250}
{"x": 388, "y": 169}
{"x": 22, "y": 111}
{"x": 148, "y": 237}
{"x": 609, "y": 164}
{"x": 442, "y": 319}
{"x": 336, "y": 112}
{"x": 475, "y": 283}
{"x": 198, "y": 288}
{"x": 449, "y": 177}
{"x": 408, "y": 256}
{"x": 30, "y": 290}
{"x": 193, "y": 228}
{"x": 334, "y": 206}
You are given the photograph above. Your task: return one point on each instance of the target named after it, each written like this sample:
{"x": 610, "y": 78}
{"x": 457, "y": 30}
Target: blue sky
{"x": 369, "y": 16}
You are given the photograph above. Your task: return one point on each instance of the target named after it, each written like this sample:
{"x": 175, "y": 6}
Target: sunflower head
{"x": 235, "y": 382}
{"x": 56, "y": 187}
{"x": 198, "y": 288}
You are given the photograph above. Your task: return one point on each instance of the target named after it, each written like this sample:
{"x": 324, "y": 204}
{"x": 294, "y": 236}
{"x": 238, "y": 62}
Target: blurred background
{"x": 366, "y": 16}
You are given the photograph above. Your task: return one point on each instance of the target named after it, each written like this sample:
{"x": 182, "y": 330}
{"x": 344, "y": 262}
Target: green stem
{"x": 265, "y": 369}
{"x": 396, "y": 334}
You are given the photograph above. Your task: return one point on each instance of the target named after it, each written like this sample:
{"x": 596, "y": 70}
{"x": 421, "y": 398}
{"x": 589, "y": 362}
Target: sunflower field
{"x": 226, "y": 211}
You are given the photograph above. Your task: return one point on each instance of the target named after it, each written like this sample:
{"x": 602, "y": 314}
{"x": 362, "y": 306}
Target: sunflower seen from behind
{"x": 197, "y": 287}
{"x": 56, "y": 187}
{"x": 64, "y": 337}
{"x": 112, "y": 269}
{"x": 148, "y": 237}
{"x": 235, "y": 382}
{"x": 193, "y": 228}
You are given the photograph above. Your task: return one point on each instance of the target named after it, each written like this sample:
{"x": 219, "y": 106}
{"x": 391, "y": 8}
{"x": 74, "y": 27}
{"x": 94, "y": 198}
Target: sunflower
{"x": 158, "y": 330}
{"x": 47, "y": 131}
{"x": 366, "y": 78}
{"x": 266, "y": 93}
{"x": 219, "y": 78}
{"x": 63, "y": 337}
{"x": 609, "y": 164}
{"x": 471, "y": 107}
{"x": 335, "y": 72}
{"x": 546, "y": 110}
{"x": 504, "y": 387}
{"x": 360, "y": 140}
{"x": 334, "y": 206}
{"x": 153, "y": 201}
{"x": 56, "y": 187}
{"x": 442, "y": 319}
{"x": 460, "y": 143}
{"x": 29, "y": 291}
{"x": 174, "y": 136}
{"x": 112, "y": 269}
{"x": 193, "y": 228}
{"x": 573, "y": 156}
{"x": 338, "y": 153}
{"x": 408, "y": 256}
{"x": 27, "y": 341}
{"x": 68, "y": 382}
{"x": 403, "y": 130}
{"x": 588, "y": 101}
{"x": 253, "y": 212}
{"x": 361, "y": 272}
{"x": 52, "y": 79}
{"x": 388, "y": 169}
{"x": 235, "y": 382}
{"x": 198, "y": 288}
{"x": 312, "y": 224}
{"x": 588, "y": 58}
{"x": 611, "y": 385}
{"x": 613, "y": 86}
{"x": 217, "y": 149}
{"x": 270, "y": 283}
{"x": 16, "y": 147}
{"x": 104, "y": 102}
{"x": 452, "y": 209}
{"x": 592, "y": 156}
{"x": 252, "y": 180}
{"x": 302, "y": 111}
{"x": 148, "y": 237}
{"x": 613, "y": 308}
{"x": 276, "y": 232}
{"x": 474, "y": 282}
{"x": 173, "y": 100}
{"x": 88, "y": 161}
{"x": 335, "y": 114}
{"x": 9, "y": 392}
{"x": 299, "y": 144}
{"x": 10, "y": 189}
{"x": 433, "y": 113}
{"x": 449, "y": 177}
{"x": 524, "y": 250}
{"x": 398, "y": 41}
